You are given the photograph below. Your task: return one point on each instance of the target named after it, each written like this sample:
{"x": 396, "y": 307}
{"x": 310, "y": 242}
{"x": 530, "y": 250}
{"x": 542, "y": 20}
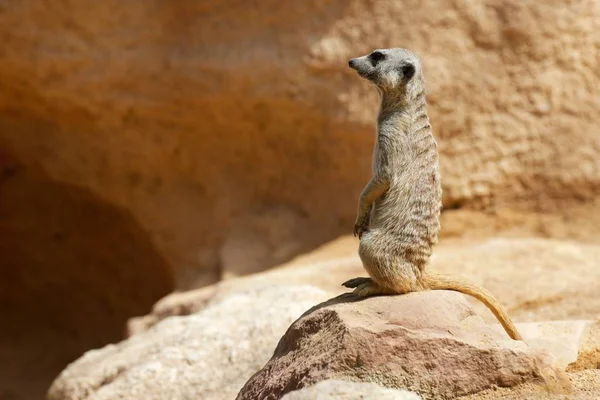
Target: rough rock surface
{"x": 208, "y": 355}
{"x": 574, "y": 344}
{"x": 588, "y": 356}
{"x": 335, "y": 389}
{"x": 431, "y": 343}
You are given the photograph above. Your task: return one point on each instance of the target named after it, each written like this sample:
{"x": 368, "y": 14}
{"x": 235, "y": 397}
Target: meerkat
{"x": 399, "y": 210}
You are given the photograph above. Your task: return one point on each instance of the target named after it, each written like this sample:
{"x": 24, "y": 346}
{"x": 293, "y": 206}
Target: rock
{"x": 573, "y": 343}
{"x": 431, "y": 343}
{"x": 588, "y": 356}
{"x": 568, "y": 341}
{"x": 207, "y": 355}
{"x": 335, "y": 389}
{"x": 586, "y": 386}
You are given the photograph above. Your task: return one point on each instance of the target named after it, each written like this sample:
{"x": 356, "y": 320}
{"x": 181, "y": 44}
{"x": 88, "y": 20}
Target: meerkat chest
{"x": 391, "y": 157}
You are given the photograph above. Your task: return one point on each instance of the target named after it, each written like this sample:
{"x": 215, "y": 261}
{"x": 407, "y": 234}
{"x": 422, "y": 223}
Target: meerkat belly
{"x": 407, "y": 218}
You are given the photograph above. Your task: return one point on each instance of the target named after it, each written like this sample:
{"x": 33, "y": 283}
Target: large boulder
{"x": 431, "y": 343}
{"x": 208, "y": 355}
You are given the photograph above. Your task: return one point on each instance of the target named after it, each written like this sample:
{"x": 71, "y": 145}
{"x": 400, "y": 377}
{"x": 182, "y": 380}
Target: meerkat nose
{"x": 351, "y": 63}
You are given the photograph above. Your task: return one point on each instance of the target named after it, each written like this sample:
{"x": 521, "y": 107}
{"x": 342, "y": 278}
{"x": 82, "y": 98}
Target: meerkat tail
{"x": 459, "y": 284}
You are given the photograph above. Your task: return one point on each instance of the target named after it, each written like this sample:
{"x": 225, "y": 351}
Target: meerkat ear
{"x": 408, "y": 71}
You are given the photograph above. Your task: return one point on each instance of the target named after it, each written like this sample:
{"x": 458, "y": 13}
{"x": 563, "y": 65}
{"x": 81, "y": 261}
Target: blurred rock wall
{"x": 235, "y": 135}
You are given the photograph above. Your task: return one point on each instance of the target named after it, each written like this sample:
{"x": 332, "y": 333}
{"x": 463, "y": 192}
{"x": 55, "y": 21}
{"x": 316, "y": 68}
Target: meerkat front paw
{"x": 359, "y": 230}
{"x": 360, "y": 227}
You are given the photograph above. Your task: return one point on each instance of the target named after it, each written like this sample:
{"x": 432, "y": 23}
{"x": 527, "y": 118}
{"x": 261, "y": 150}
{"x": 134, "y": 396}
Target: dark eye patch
{"x": 376, "y": 56}
{"x": 408, "y": 71}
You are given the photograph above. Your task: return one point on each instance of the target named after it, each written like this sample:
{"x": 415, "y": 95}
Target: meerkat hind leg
{"x": 355, "y": 282}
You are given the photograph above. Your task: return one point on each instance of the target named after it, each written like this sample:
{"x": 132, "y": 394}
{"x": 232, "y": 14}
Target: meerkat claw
{"x": 359, "y": 230}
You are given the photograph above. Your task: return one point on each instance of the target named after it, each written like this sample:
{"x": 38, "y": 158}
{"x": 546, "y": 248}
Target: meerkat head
{"x": 388, "y": 69}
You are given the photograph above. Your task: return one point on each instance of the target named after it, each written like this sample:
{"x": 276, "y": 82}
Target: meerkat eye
{"x": 376, "y": 56}
{"x": 408, "y": 71}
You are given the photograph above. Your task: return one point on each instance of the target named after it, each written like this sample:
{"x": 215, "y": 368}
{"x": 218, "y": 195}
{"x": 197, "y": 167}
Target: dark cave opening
{"x": 73, "y": 269}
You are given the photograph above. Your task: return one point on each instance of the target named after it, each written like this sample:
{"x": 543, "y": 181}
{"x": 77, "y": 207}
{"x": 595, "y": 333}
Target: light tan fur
{"x": 398, "y": 217}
